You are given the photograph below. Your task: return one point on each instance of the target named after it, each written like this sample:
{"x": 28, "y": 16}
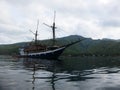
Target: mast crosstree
{"x": 53, "y": 28}
{"x": 36, "y": 32}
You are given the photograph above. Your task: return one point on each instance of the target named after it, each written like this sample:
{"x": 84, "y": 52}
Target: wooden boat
{"x": 42, "y": 51}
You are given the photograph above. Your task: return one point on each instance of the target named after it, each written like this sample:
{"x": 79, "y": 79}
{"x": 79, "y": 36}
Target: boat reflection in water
{"x": 73, "y": 73}
{"x": 35, "y": 65}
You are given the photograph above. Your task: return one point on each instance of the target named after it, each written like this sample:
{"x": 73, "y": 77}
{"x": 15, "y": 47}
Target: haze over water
{"x": 68, "y": 73}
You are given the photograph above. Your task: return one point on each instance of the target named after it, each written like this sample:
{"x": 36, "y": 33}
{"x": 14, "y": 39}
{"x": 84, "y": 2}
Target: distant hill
{"x": 88, "y": 46}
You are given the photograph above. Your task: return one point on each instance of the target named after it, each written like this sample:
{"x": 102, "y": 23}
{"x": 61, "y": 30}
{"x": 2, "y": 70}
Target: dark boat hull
{"x": 52, "y": 54}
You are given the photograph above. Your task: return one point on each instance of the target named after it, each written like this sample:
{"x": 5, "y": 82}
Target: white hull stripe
{"x": 50, "y": 51}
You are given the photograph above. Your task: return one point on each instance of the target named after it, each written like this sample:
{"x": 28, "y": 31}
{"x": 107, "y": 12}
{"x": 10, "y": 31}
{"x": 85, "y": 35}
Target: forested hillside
{"x": 88, "y": 46}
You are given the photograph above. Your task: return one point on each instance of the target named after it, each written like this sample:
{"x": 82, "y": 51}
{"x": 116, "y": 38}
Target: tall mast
{"x": 36, "y": 33}
{"x": 53, "y": 28}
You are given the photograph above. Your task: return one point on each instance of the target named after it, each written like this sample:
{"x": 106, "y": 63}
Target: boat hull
{"x": 52, "y": 54}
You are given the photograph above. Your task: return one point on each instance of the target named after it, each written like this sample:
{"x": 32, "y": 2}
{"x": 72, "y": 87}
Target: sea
{"x": 65, "y": 73}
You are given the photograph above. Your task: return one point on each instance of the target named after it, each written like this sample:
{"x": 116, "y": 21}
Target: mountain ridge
{"x": 103, "y": 47}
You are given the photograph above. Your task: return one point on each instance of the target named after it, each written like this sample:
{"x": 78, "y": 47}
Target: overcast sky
{"x": 96, "y": 19}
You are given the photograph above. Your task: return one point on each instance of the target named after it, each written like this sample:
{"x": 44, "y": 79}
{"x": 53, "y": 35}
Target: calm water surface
{"x": 68, "y": 73}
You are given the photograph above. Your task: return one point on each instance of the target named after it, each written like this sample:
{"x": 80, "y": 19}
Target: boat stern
{"x": 21, "y": 51}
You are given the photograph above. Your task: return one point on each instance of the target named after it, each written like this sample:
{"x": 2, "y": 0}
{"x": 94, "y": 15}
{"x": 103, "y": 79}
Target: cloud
{"x": 89, "y": 18}
{"x": 111, "y": 23}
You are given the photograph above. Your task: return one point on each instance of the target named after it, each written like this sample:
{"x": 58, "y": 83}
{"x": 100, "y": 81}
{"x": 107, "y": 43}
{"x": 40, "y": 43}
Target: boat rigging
{"x": 43, "y": 51}
{"x": 53, "y": 28}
